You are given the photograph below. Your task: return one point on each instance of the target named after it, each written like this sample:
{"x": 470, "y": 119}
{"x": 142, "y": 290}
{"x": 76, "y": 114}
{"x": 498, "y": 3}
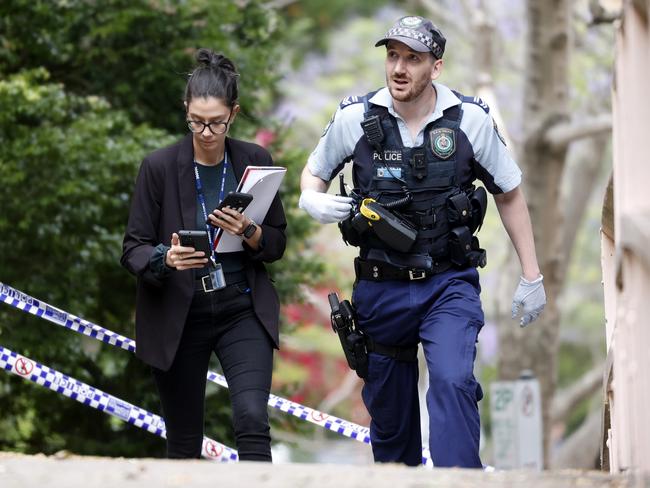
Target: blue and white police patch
{"x": 443, "y": 142}
{"x": 479, "y": 101}
{"x": 349, "y": 101}
{"x": 388, "y": 172}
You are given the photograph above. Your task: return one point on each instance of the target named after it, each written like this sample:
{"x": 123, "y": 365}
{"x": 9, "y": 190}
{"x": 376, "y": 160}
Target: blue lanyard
{"x": 201, "y": 197}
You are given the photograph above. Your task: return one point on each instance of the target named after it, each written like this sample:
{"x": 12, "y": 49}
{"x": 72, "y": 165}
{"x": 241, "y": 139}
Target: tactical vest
{"x": 437, "y": 206}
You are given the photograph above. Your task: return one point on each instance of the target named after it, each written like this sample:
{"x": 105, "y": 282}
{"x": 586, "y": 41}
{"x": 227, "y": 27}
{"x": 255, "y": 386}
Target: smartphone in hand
{"x": 236, "y": 200}
{"x": 198, "y": 239}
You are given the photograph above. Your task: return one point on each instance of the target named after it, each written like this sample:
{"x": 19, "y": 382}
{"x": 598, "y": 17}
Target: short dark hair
{"x": 214, "y": 76}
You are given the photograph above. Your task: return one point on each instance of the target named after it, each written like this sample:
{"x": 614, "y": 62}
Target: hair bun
{"x": 214, "y": 76}
{"x": 209, "y": 59}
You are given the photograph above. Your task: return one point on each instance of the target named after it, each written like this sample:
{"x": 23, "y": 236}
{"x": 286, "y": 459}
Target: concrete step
{"x": 22, "y": 471}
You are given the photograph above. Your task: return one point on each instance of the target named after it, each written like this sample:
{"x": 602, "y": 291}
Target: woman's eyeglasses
{"x": 216, "y": 128}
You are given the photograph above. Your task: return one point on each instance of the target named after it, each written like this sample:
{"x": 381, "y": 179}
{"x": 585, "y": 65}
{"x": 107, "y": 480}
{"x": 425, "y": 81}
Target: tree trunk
{"x": 546, "y": 101}
{"x": 581, "y": 449}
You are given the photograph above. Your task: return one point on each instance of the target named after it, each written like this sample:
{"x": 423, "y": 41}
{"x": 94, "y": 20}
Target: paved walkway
{"x": 19, "y": 471}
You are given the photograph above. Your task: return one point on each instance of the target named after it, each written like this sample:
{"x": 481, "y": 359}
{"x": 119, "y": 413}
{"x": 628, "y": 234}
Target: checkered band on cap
{"x": 418, "y": 36}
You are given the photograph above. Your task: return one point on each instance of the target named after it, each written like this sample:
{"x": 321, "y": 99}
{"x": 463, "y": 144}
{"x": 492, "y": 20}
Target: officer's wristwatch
{"x": 249, "y": 230}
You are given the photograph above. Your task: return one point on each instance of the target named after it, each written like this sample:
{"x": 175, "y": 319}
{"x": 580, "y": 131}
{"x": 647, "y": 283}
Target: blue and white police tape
{"x": 29, "y": 304}
{"x": 26, "y": 303}
{"x": 40, "y": 374}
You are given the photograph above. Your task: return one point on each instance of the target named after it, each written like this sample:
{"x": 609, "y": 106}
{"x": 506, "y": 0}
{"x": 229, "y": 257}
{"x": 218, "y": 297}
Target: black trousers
{"x": 224, "y": 322}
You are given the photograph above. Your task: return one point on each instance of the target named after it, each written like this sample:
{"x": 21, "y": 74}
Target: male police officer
{"x": 416, "y": 148}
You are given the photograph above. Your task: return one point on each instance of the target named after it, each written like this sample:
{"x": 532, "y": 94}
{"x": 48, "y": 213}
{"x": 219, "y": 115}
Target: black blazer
{"x": 164, "y": 201}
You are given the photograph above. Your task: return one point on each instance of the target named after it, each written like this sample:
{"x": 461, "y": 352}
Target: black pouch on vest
{"x": 477, "y": 257}
{"x": 479, "y": 204}
{"x": 459, "y": 210}
{"x": 349, "y": 233}
{"x": 460, "y": 245}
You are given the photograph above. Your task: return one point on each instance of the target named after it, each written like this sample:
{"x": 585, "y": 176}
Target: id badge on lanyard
{"x": 217, "y": 276}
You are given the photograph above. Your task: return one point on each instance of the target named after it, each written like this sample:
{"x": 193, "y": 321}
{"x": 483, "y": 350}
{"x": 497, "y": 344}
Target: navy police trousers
{"x": 444, "y": 313}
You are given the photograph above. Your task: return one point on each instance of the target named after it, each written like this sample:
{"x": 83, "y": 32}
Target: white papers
{"x": 262, "y": 182}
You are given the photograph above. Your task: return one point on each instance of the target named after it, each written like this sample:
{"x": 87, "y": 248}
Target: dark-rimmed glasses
{"x": 197, "y": 127}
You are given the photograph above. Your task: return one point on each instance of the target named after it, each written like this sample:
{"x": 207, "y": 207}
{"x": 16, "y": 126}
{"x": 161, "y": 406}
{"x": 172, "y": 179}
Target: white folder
{"x": 262, "y": 182}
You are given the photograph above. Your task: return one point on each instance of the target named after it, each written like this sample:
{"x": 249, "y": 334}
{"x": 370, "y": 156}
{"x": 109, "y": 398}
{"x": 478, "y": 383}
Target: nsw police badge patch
{"x": 443, "y": 142}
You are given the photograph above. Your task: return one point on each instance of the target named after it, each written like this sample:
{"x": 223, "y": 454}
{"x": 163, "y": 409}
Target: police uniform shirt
{"x": 499, "y": 172}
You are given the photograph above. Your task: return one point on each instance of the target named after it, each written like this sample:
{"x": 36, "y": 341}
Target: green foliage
{"x": 137, "y": 53}
{"x": 67, "y": 164}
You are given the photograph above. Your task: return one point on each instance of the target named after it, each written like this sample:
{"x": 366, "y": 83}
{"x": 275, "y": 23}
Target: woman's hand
{"x": 230, "y": 220}
{"x": 183, "y": 257}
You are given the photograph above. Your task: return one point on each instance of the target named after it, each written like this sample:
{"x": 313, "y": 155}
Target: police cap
{"x": 418, "y": 33}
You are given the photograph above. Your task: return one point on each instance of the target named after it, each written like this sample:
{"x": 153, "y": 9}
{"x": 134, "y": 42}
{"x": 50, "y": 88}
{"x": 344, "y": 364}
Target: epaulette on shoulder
{"x": 351, "y": 100}
{"x": 475, "y": 100}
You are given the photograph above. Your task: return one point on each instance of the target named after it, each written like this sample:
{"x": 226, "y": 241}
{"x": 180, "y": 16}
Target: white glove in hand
{"x": 324, "y": 207}
{"x": 530, "y": 296}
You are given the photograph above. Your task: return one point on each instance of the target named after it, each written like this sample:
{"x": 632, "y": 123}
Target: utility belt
{"x": 356, "y": 344}
{"x": 375, "y": 270}
{"x": 385, "y": 270}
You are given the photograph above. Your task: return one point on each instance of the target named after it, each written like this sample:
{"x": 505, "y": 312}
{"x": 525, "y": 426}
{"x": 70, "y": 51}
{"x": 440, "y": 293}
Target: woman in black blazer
{"x": 182, "y": 314}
